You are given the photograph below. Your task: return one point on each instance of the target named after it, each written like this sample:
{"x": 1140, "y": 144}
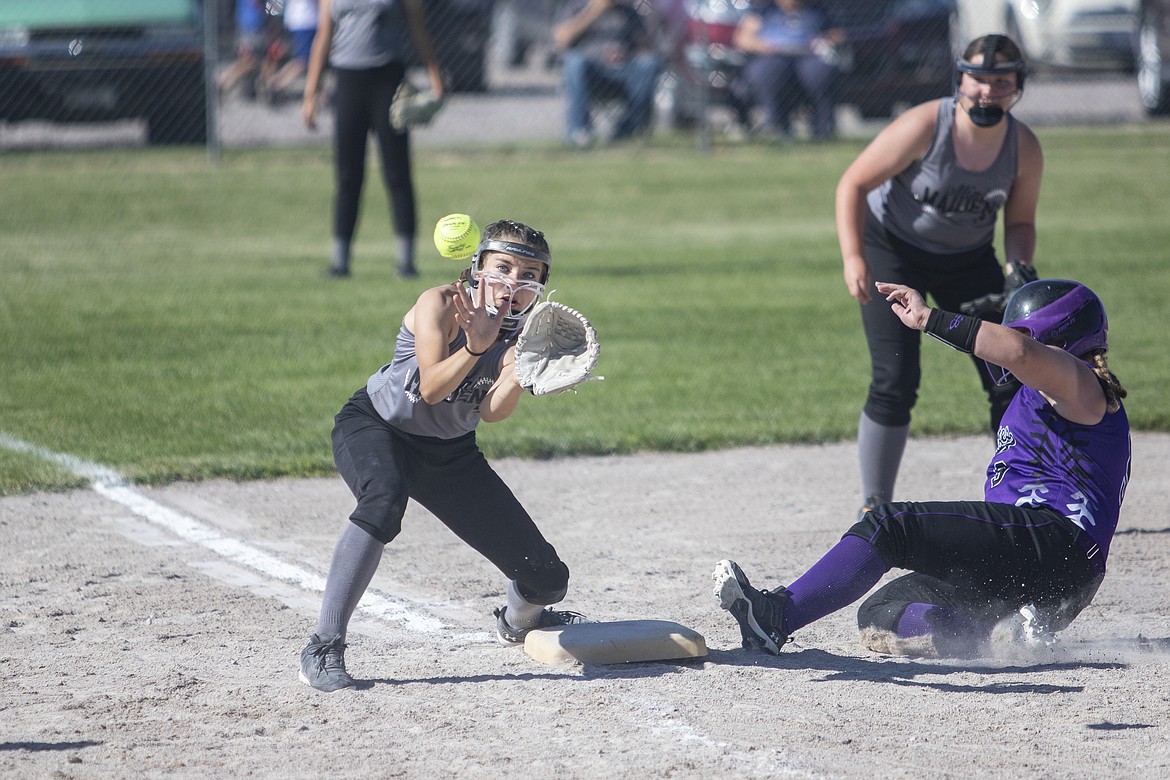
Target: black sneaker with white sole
{"x": 323, "y": 664}
{"x": 760, "y": 613}
{"x": 549, "y": 618}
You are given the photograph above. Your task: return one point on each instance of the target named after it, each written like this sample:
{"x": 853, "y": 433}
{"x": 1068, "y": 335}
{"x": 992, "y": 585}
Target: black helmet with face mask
{"x": 476, "y": 273}
{"x": 989, "y": 114}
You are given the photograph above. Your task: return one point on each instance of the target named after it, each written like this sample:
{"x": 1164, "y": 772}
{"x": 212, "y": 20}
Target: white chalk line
{"x": 113, "y": 486}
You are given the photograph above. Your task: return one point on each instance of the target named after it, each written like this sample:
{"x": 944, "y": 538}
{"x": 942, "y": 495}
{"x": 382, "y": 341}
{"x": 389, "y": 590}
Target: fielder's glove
{"x": 411, "y": 108}
{"x": 556, "y": 350}
{"x": 994, "y": 303}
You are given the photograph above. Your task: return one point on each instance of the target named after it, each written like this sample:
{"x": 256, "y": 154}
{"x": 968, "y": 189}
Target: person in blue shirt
{"x": 606, "y": 51}
{"x": 791, "y": 46}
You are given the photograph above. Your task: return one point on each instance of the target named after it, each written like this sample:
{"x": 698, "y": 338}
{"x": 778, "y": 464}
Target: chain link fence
{"x": 182, "y": 72}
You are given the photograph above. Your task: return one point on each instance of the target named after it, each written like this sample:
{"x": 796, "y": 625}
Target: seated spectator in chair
{"x": 606, "y": 53}
{"x": 791, "y": 48}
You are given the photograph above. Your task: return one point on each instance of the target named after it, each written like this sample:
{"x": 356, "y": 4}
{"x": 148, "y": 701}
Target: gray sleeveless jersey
{"x": 938, "y": 206}
{"x": 394, "y": 391}
{"x": 367, "y": 33}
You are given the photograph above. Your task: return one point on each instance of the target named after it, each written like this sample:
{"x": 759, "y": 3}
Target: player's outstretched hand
{"x": 907, "y": 304}
{"x": 472, "y": 313}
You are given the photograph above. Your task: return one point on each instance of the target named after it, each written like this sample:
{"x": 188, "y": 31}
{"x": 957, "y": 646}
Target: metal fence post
{"x": 705, "y": 140}
{"x": 210, "y": 74}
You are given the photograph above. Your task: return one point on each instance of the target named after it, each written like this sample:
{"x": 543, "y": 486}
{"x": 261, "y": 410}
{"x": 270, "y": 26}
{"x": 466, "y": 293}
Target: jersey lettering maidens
{"x": 1042, "y": 459}
{"x": 937, "y": 205}
{"x": 393, "y": 390}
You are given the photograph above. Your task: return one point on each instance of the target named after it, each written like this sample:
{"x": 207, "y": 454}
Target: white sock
{"x": 521, "y": 614}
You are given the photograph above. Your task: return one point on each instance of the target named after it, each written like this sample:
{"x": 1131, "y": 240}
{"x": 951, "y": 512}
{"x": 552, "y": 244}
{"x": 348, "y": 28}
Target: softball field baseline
{"x": 154, "y": 632}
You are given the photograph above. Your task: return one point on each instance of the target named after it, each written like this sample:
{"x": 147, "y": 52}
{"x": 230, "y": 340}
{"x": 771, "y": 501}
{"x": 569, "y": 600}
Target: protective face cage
{"x": 1059, "y": 312}
{"x": 513, "y": 320}
{"x": 989, "y": 115}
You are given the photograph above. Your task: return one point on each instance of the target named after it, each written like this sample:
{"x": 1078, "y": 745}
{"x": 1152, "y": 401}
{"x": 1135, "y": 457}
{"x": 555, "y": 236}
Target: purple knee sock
{"x": 842, "y": 575}
{"x": 913, "y": 621}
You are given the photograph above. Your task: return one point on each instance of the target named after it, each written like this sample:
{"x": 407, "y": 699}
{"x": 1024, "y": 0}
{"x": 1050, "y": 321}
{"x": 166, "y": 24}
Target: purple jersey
{"x": 1079, "y": 470}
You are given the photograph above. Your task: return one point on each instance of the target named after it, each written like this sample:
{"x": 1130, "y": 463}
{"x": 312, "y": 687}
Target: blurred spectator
{"x": 251, "y": 49}
{"x": 365, "y": 43}
{"x": 791, "y": 45}
{"x": 300, "y": 25}
{"x": 607, "y": 54}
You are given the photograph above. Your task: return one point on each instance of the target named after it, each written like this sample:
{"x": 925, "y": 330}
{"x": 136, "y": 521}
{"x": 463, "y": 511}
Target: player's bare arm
{"x": 318, "y": 58}
{"x": 1066, "y": 381}
{"x": 502, "y": 399}
{"x": 416, "y": 21}
{"x": 566, "y": 33}
{"x": 1019, "y": 213}
{"x": 905, "y": 140}
{"x": 435, "y": 319}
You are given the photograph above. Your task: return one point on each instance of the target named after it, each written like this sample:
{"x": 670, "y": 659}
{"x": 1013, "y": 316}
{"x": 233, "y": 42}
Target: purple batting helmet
{"x": 1059, "y": 312}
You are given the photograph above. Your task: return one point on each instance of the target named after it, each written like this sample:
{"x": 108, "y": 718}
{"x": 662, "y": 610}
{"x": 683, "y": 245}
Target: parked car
{"x": 1153, "y": 46}
{"x": 103, "y": 60}
{"x": 896, "y": 53}
{"x": 1066, "y": 34}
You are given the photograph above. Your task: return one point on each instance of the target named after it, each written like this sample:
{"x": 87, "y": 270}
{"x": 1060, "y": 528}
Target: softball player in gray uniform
{"x": 1032, "y": 554}
{"x": 410, "y": 433}
{"x": 366, "y": 45}
{"x": 919, "y": 207}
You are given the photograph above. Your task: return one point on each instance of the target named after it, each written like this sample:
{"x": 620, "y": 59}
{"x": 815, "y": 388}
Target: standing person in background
{"x": 606, "y": 50}
{"x": 919, "y": 207}
{"x": 364, "y": 42}
{"x": 791, "y": 45}
{"x": 300, "y": 24}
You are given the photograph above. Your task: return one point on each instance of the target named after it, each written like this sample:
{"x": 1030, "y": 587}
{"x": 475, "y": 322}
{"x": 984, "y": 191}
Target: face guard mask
{"x": 495, "y": 280}
{"x": 988, "y": 113}
{"x": 475, "y": 275}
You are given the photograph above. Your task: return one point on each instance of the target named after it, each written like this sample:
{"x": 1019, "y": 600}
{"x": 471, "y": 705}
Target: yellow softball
{"x": 456, "y": 236}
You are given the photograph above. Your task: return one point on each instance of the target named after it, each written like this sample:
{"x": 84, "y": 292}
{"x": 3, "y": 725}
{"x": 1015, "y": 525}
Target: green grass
{"x": 170, "y": 319}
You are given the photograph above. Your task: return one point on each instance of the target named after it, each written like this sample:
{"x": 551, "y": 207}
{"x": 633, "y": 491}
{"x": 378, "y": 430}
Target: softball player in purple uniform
{"x": 1033, "y": 551}
{"x": 919, "y": 207}
{"x": 410, "y": 433}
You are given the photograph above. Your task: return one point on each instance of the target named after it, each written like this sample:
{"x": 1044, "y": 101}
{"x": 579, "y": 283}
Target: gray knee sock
{"x": 340, "y": 259}
{"x": 405, "y": 245}
{"x": 355, "y": 559}
{"x": 521, "y": 613}
{"x": 879, "y": 452}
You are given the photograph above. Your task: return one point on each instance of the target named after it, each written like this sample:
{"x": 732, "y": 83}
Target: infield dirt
{"x": 128, "y": 650}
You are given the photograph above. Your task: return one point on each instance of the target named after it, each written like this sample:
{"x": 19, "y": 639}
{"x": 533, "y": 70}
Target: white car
{"x": 1081, "y": 34}
{"x": 1153, "y": 73}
